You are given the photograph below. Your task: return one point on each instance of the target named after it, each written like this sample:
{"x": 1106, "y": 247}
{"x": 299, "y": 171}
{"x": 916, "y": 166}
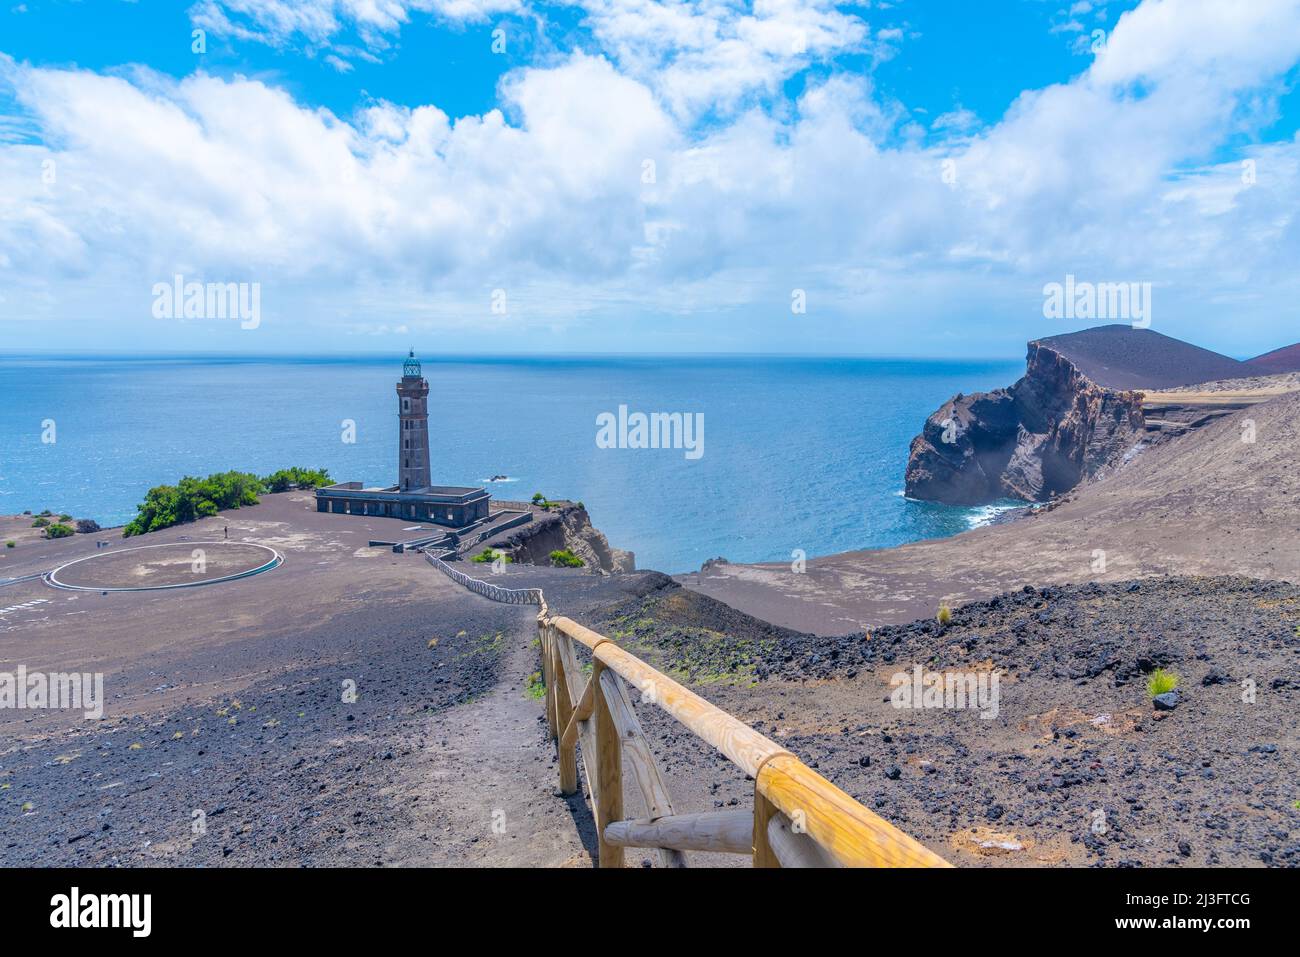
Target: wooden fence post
{"x": 546, "y": 638}
{"x": 764, "y": 809}
{"x": 609, "y": 772}
{"x": 563, "y": 712}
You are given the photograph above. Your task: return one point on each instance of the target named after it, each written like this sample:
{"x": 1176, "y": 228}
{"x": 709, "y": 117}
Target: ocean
{"x": 797, "y": 454}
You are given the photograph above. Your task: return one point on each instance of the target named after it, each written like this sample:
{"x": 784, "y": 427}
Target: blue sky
{"x": 644, "y": 176}
{"x": 977, "y": 62}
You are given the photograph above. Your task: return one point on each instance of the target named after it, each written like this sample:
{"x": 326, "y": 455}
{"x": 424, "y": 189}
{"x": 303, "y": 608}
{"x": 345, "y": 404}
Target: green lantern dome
{"x": 411, "y": 367}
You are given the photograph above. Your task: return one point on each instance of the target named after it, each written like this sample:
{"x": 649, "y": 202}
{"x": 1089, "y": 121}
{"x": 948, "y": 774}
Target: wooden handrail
{"x": 791, "y": 799}
{"x": 799, "y": 819}
{"x": 746, "y": 748}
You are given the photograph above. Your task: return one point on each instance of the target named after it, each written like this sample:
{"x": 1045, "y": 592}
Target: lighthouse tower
{"x": 413, "y": 423}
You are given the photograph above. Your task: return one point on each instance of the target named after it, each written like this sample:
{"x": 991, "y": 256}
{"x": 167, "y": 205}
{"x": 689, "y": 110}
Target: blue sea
{"x": 798, "y": 453}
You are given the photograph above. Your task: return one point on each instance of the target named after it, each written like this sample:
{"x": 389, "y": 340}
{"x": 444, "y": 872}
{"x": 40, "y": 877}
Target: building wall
{"x": 453, "y": 514}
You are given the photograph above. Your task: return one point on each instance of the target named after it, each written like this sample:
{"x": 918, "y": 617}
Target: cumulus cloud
{"x": 593, "y": 195}
{"x": 282, "y": 22}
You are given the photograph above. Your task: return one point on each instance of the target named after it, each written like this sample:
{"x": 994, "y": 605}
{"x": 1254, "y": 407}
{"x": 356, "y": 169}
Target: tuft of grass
{"x": 563, "y": 558}
{"x": 535, "y": 688}
{"x": 945, "y": 615}
{"x": 137, "y": 746}
{"x": 10, "y": 543}
{"x": 27, "y": 806}
{"x": 1161, "y": 682}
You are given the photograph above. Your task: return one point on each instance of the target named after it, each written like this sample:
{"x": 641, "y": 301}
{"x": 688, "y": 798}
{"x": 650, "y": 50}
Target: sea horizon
{"x": 836, "y": 481}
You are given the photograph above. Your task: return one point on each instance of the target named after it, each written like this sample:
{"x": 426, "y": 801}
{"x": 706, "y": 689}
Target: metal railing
{"x": 510, "y": 596}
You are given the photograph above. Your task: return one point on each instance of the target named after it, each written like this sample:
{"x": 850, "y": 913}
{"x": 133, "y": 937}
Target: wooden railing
{"x": 799, "y": 819}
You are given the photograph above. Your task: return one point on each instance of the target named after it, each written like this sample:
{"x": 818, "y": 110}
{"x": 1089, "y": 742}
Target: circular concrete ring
{"x": 272, "y": 560}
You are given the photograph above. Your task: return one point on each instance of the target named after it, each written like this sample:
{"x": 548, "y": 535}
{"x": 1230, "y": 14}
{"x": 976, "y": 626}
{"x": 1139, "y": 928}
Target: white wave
{"x": 982, "y": 515}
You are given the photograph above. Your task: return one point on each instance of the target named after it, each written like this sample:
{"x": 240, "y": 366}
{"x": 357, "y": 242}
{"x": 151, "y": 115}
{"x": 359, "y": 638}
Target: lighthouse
{"x": 413, "y": 426}
{"x": 414, "y": 497}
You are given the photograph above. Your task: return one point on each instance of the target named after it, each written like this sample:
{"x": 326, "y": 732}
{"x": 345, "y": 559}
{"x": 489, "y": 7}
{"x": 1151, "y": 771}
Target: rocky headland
{"x": 1032, "y": 441}
{"x": 563, "y": 526}
{"x": 1076, "y": 412}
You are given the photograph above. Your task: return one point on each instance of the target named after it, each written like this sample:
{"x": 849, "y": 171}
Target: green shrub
{"x": 944, "y": 617}
{"x": 1161, "y": 682}
{"x": 59, "y": 531}
{"x": 536, "y": 687}
{"x": 490, "y": 554}
{"x": 282, "y": 480}
{"x": 193, "y": 498}
{"x": 65, "y": 518}
{"x": 10, "y": 544}
{"x": 563, "y": 558}
{"x": 40, "y": 523}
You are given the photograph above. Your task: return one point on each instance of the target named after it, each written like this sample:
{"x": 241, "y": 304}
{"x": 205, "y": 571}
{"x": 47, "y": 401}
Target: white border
{"x": 51, "y": 577}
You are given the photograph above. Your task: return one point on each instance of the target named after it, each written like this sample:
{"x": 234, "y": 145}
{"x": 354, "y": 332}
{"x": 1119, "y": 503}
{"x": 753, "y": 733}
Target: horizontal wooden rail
{"x": 745, "y": 747}
{"x": 799, "y": 818}
{"x": 725, "y": 832}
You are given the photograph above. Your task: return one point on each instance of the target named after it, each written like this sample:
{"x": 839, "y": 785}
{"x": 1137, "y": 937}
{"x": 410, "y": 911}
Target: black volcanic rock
{"x": 1035, "y": 440}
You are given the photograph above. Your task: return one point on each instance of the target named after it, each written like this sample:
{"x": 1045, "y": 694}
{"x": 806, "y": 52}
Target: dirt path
{"x": 486, "y": 784}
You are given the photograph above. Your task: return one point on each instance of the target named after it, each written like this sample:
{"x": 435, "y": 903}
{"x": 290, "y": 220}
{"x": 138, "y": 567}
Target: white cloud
{"x": 408, "y": 216}
{"x": 715, "y": 55}
{"x": 960, "y": 120}
{"x": 708, "y": 55}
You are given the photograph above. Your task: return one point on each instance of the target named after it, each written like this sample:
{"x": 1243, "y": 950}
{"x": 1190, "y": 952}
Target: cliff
{"x": 565, "y": 526}
{"x": 1039, "y": 438}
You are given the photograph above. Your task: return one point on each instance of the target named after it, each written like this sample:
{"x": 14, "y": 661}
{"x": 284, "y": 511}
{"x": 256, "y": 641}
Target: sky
{"x": 643, "y": 176}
